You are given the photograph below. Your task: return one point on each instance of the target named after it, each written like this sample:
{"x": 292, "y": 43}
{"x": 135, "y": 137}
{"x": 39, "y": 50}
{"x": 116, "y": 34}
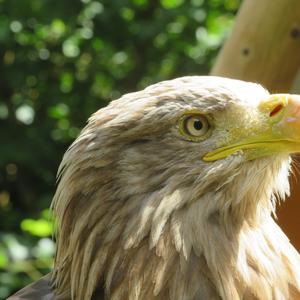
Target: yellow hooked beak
{"x": 281, "y": 133}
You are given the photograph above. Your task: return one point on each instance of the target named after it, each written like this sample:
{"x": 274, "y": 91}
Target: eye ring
{"x": 194, "y": 126}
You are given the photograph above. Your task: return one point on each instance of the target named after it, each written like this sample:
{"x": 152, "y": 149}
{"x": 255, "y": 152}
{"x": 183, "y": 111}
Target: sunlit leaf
{"x": 169, "y": 4}
{"x": 58, "y": 27}
{"x": 92, "y": 9}
{"x": 140, "y": 2}
{"x": 66, "y": 82}
{"x": 86, "y": 33}
{"x": 3, "y": 258}
{"x": 16, "y": 250}
{"x": 46, "y": 214}
{"x": 16, "y": 26}
{"x": 70, "y": 48}
{"x": 45, "y": 248}
{"x": 25, "y": 114}
{"x": 40, "y": 227}
{"x": 58, "y": 111}
{"x": 127, "y": 13}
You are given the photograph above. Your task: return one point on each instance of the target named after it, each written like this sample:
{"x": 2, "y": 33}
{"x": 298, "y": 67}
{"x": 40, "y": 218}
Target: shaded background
{"x": 59, "y": 62}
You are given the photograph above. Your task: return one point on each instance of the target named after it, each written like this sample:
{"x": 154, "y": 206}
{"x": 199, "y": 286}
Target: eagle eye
{"x": 194, "y": 127}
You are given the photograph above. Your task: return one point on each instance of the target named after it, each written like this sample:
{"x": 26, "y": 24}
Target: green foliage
{"x": 41, "y": 227}
{"x": 63, "y": 60}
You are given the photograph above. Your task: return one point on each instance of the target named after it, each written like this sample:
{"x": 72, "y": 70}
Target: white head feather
{"x": 140, "y": 214}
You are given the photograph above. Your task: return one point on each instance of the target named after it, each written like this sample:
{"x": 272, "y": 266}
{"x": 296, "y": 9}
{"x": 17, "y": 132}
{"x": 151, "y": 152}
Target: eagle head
{"x": 168, "y": 192}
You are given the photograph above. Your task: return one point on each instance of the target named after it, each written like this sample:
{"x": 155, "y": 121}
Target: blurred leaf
{"x": 171, "y": 3}
{"x": 40, "y": 227}
{"x": 45, "y": 248}
{"x": 70, "y": 48}
{"x": 25, "y": 114}
{"x": 140, "y": 2}
{"x": 3, "y": 111}
{"x": 58, "y": 28}
{"x": 58, "y": 111}
{"x": 92, "y": 9}
{"x": 66, "y": 82}
{"x": 16, "y": 26}
{"x": 4, "y": 27}
{"x": 127, "y": 13}
{"x": 46, "y": 214}
{"x": 16, "y": 250}
{"x": 3, "y": 258}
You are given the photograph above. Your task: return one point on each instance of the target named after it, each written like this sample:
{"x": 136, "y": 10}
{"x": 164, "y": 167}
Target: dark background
{"x": 59, "y": 62}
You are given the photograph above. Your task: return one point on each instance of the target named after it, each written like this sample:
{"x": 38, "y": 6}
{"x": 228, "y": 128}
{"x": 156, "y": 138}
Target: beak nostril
{"x": 276, "y": 110}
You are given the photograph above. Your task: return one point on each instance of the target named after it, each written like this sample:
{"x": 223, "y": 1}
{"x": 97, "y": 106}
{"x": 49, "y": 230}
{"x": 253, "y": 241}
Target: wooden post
{"x": 264, "y": 47}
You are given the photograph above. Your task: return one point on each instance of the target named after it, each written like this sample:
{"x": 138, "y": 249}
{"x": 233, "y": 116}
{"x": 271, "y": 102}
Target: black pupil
{"x": 198, "y": 125}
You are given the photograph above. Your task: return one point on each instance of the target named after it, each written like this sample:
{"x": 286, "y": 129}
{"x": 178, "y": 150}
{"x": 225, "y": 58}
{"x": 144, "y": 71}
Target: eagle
{"x": 170, "y": 193}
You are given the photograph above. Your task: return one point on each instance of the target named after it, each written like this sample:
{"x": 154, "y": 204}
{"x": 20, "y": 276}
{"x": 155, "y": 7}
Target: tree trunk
{"x": 264, "y": 47}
